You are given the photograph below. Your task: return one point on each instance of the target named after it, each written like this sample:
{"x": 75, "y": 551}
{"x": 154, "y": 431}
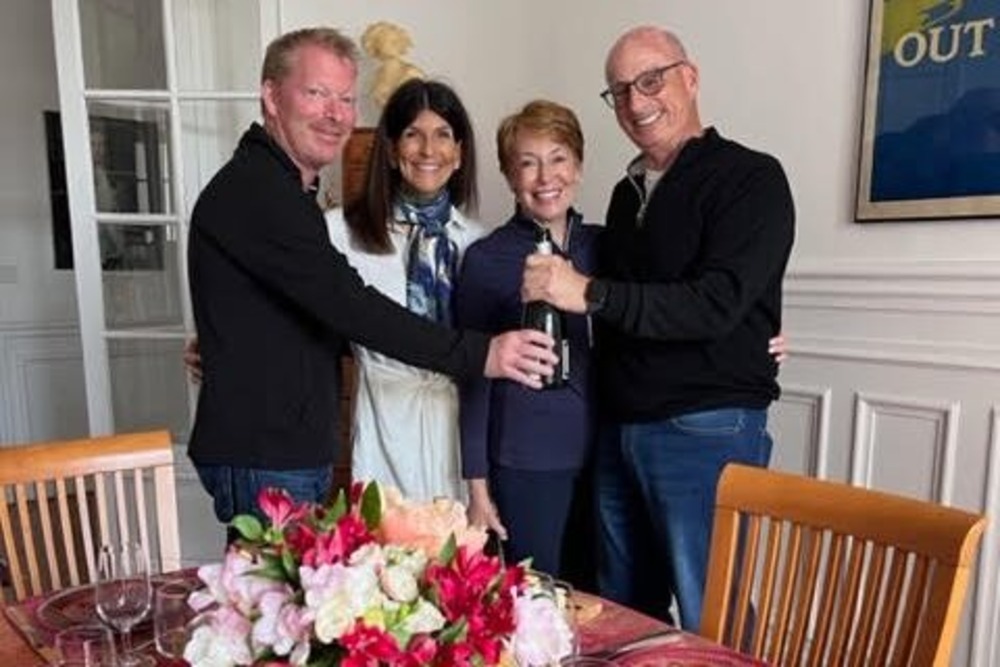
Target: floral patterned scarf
{"x": 432, "y": 257}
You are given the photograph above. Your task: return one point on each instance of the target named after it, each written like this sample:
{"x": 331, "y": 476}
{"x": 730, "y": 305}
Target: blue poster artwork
{"x": 937, "y": 126}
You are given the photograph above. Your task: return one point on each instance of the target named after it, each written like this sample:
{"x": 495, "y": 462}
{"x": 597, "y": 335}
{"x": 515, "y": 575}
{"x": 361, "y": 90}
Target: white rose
{"x": 425, "y": 617}
{"x": 368, "y": 555}
{"x": 355, "y": 591}
{"x": 414, "y": 560}
{"x": 399, "y": 583}
{"x": 205, "y": 650}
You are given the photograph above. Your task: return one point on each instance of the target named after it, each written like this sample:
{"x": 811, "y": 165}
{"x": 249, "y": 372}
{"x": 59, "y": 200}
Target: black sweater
{"x": 274, "y": 304}
{"x": 695, "y": 276}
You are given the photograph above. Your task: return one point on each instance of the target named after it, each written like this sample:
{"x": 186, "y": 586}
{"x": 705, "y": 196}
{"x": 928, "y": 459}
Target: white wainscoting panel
{"x": 890, "y": 429}
{"x": 42, "y": 398}
{"x": 800, "y": 426}
{"x": 41, "y": 383}
{"x": 907, "y": 354}
{"x": 986, "y": 635}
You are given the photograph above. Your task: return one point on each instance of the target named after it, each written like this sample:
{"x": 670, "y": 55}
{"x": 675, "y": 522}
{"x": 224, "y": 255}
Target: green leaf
{"x": 339, "y": 507}
{"x": 448, "y": 550}
{"x": 248, "y": 526}
{"x": 371, "y": 506}
{"x": 454, "y": 633}
{"x": 271, "y": 569}
{"x": 290, "y": 566}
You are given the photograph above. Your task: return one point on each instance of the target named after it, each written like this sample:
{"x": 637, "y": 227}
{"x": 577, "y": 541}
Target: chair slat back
{"x": 63, "y": 499}
{"x": 810, "y": 572}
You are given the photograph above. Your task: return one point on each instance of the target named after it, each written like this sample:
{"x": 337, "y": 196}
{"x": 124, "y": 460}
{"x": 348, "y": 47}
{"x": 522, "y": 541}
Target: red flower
{"x": 300, "y": 539}
{"x": 459, "y": 654}
{"x": 462, "y": 584}
{"x": 345, "y": 538}
{"x": 368, "y": 647}
{"x": 279, "y": 507}
{"x": 420, "y": 651}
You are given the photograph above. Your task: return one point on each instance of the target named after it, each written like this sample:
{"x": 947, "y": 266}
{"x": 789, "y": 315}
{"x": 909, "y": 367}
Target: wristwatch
{"x": 595, "y": 294}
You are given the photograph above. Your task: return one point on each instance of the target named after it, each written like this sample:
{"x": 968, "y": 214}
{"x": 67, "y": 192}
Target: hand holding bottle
{"x": 541, "y": 315}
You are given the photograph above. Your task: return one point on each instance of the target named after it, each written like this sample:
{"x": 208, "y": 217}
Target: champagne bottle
{"x": 545, "y": 317}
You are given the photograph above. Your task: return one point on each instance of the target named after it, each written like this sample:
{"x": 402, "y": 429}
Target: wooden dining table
{"x": 611, "y": 630}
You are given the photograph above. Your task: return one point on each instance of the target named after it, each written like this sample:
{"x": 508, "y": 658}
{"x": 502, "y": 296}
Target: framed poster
{"x": 930, "y": 140}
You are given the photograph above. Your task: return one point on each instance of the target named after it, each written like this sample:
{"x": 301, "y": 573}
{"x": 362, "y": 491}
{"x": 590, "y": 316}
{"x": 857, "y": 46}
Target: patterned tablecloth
{"x": 626, "y": 636}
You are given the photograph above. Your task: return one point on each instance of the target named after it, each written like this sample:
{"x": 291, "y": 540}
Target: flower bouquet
{"x": 368, "y": 581}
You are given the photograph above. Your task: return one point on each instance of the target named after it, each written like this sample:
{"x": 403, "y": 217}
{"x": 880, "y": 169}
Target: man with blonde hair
{"x": 686, "y": 295}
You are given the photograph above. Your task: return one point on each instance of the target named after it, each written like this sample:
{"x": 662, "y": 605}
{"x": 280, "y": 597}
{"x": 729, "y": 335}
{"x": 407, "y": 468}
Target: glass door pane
{"x": 209, "y": 132}
{"x": 140, "y": 275}
{"x": 130, "y": 149}
{"x": 218, "y": 44}
{"x": 123, "y": 44}
{"x": 149, "y": 389}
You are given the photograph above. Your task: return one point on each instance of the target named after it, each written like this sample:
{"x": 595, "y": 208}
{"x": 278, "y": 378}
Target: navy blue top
{"x": 502, "y": 422}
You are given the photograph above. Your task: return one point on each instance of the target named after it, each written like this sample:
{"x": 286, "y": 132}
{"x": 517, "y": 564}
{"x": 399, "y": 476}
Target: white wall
{"x": 41, "y": 391}
{"x": 26, "y": 248}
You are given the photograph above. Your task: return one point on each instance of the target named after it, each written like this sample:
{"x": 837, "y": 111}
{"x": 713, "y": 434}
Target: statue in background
{"x": 388, "y": 43}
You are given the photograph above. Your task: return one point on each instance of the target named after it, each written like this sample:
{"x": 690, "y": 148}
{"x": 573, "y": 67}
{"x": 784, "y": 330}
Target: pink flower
{"x": 543, "y": 635}
{"x": 282, "y": 625}
{"x": 279, "y": 507}
{"x": 229, "y": 583}
{"x": 222, "y": 641}
{"x": 426, "y": 526}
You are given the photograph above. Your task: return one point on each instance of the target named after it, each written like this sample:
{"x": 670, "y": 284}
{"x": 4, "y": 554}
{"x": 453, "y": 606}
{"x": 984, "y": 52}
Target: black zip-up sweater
{"x": 695, "y": 272}
{"x": 274, "y": 304}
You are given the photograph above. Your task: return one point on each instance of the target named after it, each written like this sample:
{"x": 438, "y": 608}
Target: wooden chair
{"x": 63, "y": 499}
{"x": 838, "y": 575}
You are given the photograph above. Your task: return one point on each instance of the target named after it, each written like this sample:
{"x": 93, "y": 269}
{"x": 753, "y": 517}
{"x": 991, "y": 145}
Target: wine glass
{"x": 123, "y": 594}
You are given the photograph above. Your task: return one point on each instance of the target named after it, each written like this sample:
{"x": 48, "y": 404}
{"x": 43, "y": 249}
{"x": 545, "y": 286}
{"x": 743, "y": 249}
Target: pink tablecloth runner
{"x": 636, "y": 640}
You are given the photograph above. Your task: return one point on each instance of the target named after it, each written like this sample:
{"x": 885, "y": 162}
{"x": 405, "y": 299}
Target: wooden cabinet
{"x": 355, "y": 162}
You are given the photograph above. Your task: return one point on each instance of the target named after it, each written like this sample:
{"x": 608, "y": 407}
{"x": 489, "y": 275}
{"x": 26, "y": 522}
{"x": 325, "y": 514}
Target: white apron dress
{"x": 405, "y": 422}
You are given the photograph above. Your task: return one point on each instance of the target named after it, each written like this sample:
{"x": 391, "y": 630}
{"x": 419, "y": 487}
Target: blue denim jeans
{"x": 655, "y": 486}
{"x": 234, "y": 490}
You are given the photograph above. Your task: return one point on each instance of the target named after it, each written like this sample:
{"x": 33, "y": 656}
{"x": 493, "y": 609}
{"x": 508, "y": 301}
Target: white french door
{"x": 153, "y": 96}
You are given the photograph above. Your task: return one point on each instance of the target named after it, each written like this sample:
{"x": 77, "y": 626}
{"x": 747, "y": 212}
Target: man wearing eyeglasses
{"x": 687, "y": 295}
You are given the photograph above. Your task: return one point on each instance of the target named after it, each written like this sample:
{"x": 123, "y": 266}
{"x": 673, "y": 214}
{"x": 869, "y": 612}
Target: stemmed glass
{"x": 123, "y": 594}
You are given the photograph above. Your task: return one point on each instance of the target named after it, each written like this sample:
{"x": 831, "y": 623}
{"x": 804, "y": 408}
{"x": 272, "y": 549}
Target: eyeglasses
{"x": 648, "y": 83}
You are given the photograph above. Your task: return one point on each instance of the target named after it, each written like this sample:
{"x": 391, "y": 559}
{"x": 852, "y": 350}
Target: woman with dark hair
{"x": 405, "y": 235}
